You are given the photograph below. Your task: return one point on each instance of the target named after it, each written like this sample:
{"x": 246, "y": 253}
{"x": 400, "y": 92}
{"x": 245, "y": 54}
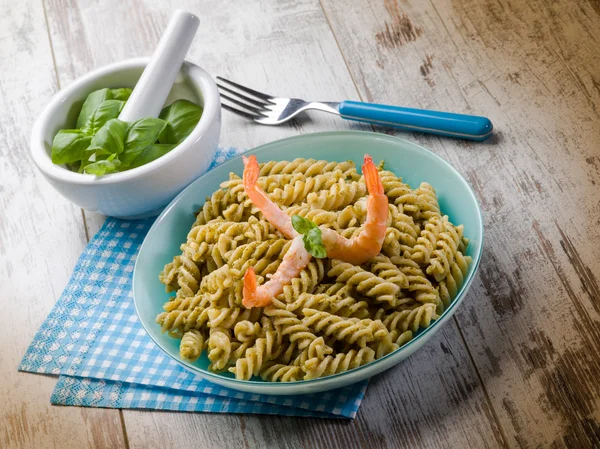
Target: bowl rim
{"x": 211, "y": 109}
{"x": 427, "y": 332}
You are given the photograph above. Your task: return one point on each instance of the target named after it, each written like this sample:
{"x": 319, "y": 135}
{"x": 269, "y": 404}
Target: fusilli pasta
{"x": 332, "y": 317}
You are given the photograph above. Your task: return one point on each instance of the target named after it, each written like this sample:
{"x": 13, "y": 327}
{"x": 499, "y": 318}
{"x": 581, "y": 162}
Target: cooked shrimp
{"x": 259, "y": 198}
{"x": 294, "y": 261}
{"x": 357, "y": 250}
{"x": 367, "y": 244}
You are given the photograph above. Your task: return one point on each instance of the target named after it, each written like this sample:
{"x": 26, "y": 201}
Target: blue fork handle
{"x": 449, "y": 124}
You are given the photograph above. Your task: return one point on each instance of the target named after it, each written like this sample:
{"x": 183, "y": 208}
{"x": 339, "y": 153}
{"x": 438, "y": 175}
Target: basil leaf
{"x": 152, "y": 152}
{"x": 122, "y": 93}
{"x": 142, "y": 133}
{"x": 85, "y": 160}
{"x": 69, "y": 145}
{"x": 99, "y": 168}
{"x": 302, "y": 225}
{"x": 183, "y": 116}
{"x": 107, "y": 110}
{"x": 312, "y": 236}
{"x": 314, "y": 244}
{"x": 90, "y": 104}
{"x": 165, "y": 135}
{"x": 110, "y": 138}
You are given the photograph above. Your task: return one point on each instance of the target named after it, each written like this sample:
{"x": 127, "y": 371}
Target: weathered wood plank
{"x": 41, "y": 236}
{"x": 532, "y": 321}
{"x": 285, "y": 48}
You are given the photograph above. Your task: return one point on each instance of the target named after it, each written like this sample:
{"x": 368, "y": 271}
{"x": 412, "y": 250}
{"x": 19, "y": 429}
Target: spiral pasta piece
{"x": 383, "y": 267}
{"x": 299, "y": 187}
{"x": 340, "y": 195}
{"x": 245, "y": 330}
{"x": 186, "y": 302}
{"x": 317, "y": 348}
{"x": 428, "y": 202}
{"x": 336, "y": 289}
{"x": 315, "y": 368}
{"x": 412, "y": 319}
{"x": 364, "y": 281}
{"x": 255, "y": 357}
{"x": 446, "y": 249}
{"x": 449, "y": 286}
{"x": 318, "y": 216}
{"x": 183, "y": 314}
{"x": 189, "y": 276}
{"x": 289, "y": 325}
{"x": 228, "y": 317}
{"x": 418, "y": 283}
{"x": 264, "y": 256}
{"x": 218, "y": 284}
{"x": 231, "y": 204}
{"x": 170, "y": 274}
{"x": 219, "y": 348}
{"x": 346, "y": 307}
{"x": 191, "y": 345}
{"x": 409, "y": 230}
{"x": 427, "y": 241}
{"x": 400, "y": 194}
{"x": 384, "y": 346}
{"x": 308, "y": 167}
{"x": 401, "y": 338}
{"x": 274, "y": 372}
{"x": 353, "y": 215}
{"x": 350, "y": 330}
{"x": 306, "y": 282}
{"x": 280, "y": 185}
{"x": 224, "y": 236}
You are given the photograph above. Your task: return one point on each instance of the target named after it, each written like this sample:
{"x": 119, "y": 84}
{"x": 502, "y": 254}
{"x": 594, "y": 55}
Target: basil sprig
{"x": 103, "y": 144}
{"x": 312, "y": 236}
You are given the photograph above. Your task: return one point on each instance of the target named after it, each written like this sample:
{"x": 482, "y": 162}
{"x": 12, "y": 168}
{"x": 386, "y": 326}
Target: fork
{"x": 268, "y": 110}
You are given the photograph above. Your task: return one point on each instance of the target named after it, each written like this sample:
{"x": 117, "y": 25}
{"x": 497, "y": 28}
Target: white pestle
{"x": 153, "y": 87}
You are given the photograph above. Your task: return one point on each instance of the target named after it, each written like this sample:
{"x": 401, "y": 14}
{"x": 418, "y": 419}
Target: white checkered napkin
{"x": 104, "y": 393}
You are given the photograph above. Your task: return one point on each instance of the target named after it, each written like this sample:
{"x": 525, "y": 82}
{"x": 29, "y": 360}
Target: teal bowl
{"x": 412, "y": 162}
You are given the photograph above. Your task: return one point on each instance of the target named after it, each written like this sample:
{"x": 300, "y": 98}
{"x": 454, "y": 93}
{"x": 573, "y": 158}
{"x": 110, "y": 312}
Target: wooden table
{"x": 519, "y": 366}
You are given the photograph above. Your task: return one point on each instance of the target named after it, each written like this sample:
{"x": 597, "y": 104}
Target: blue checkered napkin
{"x": 102, "y": 393}
{"x": 74, "y": 319}
{"x": 93, "y": 335}
{"x": 101, "y": 276}
{"x": 121, "y": 351}
{"x": 82, "y": 339}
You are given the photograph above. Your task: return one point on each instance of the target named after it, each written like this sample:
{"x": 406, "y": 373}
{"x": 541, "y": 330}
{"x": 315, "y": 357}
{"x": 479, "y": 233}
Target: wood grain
{"x": 288, "y": 48}
{"x": 532, "y": 321}
{"x": 41, "y": 236}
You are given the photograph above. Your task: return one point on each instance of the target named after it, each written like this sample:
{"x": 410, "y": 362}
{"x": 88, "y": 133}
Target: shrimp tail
{"x": 251, "y": 171}
{"x": 372, "y": 178}
{"x": 250, "y": 288}
{"x": 259, "y": 198}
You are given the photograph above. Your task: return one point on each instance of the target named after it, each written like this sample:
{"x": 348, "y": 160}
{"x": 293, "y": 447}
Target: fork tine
{"x": 238, "y": 112}
{"x": 259, "y": 104}
{"x": 239, "y": 103}
{"x": 248, "y": 90}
